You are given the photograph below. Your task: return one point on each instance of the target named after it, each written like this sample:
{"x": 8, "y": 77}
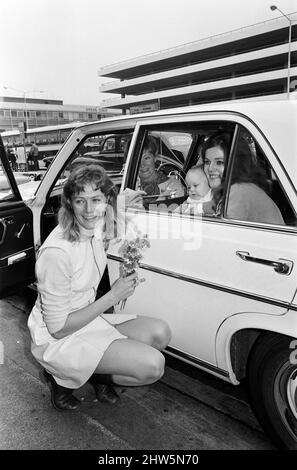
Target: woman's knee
{"x": 152, "y": 368}
{"x": 161, "y": 335}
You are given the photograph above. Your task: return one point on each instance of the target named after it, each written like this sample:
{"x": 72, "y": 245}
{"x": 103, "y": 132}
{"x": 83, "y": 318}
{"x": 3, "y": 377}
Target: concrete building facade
{"x": 43, "y": 112}
{"x": 247, "y": 63}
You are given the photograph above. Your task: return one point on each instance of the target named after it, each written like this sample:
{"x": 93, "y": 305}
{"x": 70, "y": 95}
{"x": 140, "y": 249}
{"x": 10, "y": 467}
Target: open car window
{"x": 107, "y": 150}
{"x": 164, "y": 153}
{"x": 89, "y": 151}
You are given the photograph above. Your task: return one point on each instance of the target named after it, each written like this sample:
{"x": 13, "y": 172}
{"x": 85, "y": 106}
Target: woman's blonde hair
{"x": 79, "y": 177}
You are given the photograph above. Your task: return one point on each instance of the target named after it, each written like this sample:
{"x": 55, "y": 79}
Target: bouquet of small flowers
{"x": 131, "y": 252}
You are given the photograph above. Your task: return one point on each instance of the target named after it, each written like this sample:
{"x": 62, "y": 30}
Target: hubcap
{"x": 292, "y": 393}
{"x": 285, "y": 393}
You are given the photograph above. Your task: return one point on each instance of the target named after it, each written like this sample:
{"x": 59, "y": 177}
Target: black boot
{"x": 104, "y": 390}
{"x": 61, "y": 397}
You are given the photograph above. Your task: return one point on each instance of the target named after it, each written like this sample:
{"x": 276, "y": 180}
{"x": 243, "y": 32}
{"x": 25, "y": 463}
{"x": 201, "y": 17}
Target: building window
{"x": 21, "y": 114}
{"x": 13, "y": 114}
{"x": 61, "y": 115}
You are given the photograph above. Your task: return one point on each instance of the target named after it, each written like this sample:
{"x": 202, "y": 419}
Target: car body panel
{"x": 250, "y": 320}
{"x": 196, "y": 288}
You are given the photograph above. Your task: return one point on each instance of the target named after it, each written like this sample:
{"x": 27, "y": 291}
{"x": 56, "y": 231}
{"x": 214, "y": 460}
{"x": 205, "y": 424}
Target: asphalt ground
{"x": 186, "y": 410}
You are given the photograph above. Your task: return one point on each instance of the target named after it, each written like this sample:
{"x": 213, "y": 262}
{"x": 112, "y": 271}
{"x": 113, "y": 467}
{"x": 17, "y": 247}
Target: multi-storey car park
{"x": 247, "y": 63}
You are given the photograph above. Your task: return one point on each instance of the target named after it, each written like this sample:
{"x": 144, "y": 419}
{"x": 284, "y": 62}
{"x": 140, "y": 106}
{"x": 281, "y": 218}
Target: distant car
{"x": 227, "y": 286}
{"x": 110, "y": 153}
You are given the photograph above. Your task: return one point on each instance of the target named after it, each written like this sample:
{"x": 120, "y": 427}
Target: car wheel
{"x": 272, "y": 382}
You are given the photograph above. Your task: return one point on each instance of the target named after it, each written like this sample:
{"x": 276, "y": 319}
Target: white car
{"x": 226, "y": 286}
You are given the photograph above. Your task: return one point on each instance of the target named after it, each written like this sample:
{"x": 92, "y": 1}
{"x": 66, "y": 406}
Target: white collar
{"x": 206, "y": 198}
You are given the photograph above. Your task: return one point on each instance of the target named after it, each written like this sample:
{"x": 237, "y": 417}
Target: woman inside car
{"x": 154, "y": 182}
{"x": 72, "y": 338}
{"x": 248, "y": 198}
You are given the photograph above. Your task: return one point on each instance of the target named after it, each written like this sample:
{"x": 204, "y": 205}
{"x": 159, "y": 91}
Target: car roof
{"x": 276, "y": 119}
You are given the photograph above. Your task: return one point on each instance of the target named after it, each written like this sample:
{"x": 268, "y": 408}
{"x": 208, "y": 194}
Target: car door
{"x": 195, "y": 270}
{"x": 17, "y": 255}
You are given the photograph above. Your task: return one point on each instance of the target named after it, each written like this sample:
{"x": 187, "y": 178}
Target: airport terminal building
{"x": 247, "y": 63}
{"x": 46, "y": 112}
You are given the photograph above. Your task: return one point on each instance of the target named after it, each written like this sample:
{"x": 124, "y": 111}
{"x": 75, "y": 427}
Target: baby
{"x": 200, "y": 196}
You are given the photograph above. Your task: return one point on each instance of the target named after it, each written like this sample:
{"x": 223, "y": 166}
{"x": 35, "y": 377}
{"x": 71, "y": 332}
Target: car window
{"x": 165, "y": 154}
{"x": 161, "y": 164}
{"x": 93, "y": 150}
{"x": 106, "y": 150}
{"x": 255, "y": 193}
{"x": 109, "y": 145}
{"x": 90, "y": 151}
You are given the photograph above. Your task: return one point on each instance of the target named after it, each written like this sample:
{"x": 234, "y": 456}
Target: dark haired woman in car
{"x": 248, "y": 198}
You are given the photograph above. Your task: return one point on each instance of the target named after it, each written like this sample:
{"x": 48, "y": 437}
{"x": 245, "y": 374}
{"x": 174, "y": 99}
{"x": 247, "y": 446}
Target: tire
{"x": 272, "y": 383}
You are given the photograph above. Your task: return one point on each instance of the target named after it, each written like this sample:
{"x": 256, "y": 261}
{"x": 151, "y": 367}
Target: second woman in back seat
{"x": 248, "y": 199}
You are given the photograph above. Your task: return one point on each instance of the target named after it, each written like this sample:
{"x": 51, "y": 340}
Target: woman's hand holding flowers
{"x": 124, "y": 287}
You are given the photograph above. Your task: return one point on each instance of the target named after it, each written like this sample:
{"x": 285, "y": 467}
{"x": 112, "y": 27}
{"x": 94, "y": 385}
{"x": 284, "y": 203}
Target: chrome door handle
{"x": 281, "y": 266}
{"x": 8, "y": 220}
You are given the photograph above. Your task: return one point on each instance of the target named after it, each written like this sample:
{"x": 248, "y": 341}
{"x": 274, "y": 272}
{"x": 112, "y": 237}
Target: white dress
{"x": 68, "y": 275}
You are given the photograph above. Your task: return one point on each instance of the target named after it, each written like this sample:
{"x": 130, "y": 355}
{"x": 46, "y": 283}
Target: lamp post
{"x": 272, "y": 8}
{"x": 25, "y": 92}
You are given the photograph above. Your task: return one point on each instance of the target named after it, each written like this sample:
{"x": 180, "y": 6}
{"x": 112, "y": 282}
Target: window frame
{"x": 208, "y": 117}
{"x": 227, "y": 188}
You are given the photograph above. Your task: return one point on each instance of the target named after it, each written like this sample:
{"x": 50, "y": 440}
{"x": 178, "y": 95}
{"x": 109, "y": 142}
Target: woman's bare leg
{"x": 131, "y": 363}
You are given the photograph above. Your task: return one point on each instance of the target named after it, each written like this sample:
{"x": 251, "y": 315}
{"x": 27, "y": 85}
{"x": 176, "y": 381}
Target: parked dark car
{"x": 110, "y": 154}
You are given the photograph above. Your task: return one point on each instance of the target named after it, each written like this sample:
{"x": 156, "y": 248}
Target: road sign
{"x": 146, "y": 108}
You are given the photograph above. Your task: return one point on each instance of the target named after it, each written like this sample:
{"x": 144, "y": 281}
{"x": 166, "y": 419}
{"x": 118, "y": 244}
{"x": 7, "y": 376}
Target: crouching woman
{"x": 72, "y": 338}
